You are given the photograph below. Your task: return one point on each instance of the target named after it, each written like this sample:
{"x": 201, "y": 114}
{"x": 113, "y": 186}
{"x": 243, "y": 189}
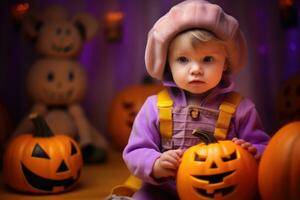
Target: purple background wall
{"x": 273, "y": 53}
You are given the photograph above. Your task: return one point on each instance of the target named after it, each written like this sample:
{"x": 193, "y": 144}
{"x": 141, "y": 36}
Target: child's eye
{"x": 208, "y": 59}
{"x": 182, "y": 60}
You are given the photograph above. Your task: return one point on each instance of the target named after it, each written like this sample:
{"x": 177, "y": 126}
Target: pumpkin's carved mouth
{"x": 44, "y": 183}
{"x": 213, "y": 179}
{"x": 218, "y": 192}
{"x": 64, "y": 49}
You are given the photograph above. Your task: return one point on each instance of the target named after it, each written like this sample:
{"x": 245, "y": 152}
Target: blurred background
{"x": 271, "y": 28}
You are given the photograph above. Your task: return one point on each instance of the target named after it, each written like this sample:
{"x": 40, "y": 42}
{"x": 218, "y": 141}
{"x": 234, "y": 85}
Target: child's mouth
{"x": 196, "y": 82}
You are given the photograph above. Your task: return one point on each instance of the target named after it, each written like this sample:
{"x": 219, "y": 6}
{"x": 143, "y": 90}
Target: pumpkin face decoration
{"x": 124, "y": 108}
{"x": 279, "y": 169}
{"x": 217, "y": 170}
{"x": 42, "y": 162}
{"x": 288, "y": 104}
{"x": 56, "y": 82}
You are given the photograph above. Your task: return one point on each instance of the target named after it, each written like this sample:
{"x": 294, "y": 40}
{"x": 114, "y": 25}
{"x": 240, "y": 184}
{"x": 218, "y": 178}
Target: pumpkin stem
{"x": 41, "y": 128}
{"x": 205, "y": 136}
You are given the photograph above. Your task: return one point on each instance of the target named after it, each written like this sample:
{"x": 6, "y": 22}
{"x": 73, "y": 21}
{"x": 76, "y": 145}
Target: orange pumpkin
{"x": 42, "y": 162}
{"x": 124, "y": 108}
{"x": 217, "y": 170}
{"x": 279, "y": 169}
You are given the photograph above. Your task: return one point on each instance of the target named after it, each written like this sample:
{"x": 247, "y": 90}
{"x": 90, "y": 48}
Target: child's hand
{"x": 167, "y": 164}
{"x": 246, "y": 145}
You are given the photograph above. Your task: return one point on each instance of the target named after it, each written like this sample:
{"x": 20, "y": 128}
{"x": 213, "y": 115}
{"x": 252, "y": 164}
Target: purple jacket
{"x": 145, "y": 144}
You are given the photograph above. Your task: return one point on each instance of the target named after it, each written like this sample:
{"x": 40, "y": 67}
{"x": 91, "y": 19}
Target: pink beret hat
{"x": 192, "y": 14}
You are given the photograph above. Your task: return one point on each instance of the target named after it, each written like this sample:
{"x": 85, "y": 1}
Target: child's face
{"x": 199, "y": 68}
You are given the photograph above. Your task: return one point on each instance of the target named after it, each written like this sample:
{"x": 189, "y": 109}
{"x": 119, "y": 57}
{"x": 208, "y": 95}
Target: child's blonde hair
{"x": 201, "y": 35}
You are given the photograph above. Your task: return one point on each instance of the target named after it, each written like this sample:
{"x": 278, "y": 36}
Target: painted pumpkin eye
{"x": 50, "y": 76}
{"x": 199, "y": 158}
{"x": 38, "y": 152}
{"x": 71, "y": 76}
{"x": 232, "y": 156}
{"x": 127, "y": 105}
{"x": 73, "y": 149}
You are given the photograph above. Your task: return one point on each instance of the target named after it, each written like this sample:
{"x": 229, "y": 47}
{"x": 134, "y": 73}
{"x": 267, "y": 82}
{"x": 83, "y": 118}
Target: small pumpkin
{"x": 42, "y": 162}
{"x": 216, "y": 170}
{"x": 125, "y": 107}
{"x": 288, "y": 100}
{"x": 279, "y": 169}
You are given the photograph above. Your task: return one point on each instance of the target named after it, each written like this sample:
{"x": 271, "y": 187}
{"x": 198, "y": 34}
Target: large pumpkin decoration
{"x": 279, "y": 169}
{"x": 42, "y": 162}
{"x": 124, "y": 108}
{"x": 217, "y": 170}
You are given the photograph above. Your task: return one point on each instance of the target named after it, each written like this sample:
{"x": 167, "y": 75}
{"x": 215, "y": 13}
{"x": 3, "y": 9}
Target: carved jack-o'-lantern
{"x": 124, "y": 108}
{"x": 42, "y": 162}
{"x": 57, "y": 34}
{"x": 56, "y": 82}
{"x": 279, "y": 168}
{"x": 288, "y": 104}
{"x": 217, "y": 170}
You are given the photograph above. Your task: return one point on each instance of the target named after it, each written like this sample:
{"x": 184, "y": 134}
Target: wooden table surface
{"x": 95, "y": 182}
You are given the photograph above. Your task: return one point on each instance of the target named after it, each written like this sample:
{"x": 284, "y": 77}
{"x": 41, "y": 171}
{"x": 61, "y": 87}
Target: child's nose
{"x": 196, "y": 69}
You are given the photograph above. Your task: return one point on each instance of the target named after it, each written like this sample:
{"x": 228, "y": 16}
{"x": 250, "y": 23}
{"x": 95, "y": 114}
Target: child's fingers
{"x": 239, "y": 141}
{"x": 170, "y": 158}
{"x": 246, "y": 145}
{"x": 252, "y": 150}
{"x": 168, "y": 165}
{"x": 179, "y": 152}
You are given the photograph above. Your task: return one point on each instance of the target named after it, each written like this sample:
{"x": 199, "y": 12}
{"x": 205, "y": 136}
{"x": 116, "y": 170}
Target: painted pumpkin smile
{"x": 46, "y": 184}
{"x": 64, "y": 49}
{"x": 64, "y": 95}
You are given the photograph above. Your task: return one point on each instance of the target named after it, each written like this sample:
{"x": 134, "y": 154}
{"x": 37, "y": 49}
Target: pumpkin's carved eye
{"x": 199, "y": 158}
{"x": 73, "y": 149}
{"x": 38, "y": 152}
{"x": 127, "y": 105}
{"x": 232, "y": 156}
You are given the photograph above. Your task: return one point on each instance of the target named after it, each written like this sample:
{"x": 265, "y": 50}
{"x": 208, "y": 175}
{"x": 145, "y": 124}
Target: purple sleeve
{"x": 248, "y": 126}
{"x": 143, "y": 146}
